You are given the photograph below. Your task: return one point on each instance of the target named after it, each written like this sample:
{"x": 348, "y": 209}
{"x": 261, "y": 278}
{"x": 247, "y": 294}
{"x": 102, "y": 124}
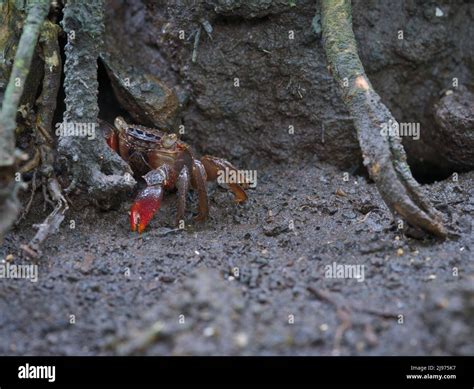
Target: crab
{"x": 166, "y": 163}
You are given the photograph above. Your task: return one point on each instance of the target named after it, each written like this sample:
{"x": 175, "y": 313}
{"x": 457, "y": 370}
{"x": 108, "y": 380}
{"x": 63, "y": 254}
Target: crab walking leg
{"x": 183, "y": 186}
{"x": 110, "y": 135}
{"x": 149, "y": 199}
{"x": 199, "y": 183}
{"x": 214, "y": 165}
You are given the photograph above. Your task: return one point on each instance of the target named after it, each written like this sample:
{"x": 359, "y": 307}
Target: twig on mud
{"x": 51, "y": 224}
{"x": 344, "y": 316}
{"x": 197, "y": 37}
{"x": 383, "y": 155}
{"x": 9, "y": 204}
{"x": 33, "y": 163}
{"x": 139, "y": 342}
{"x": 375, "y": 312}
{"x": 167, "y": 231}
{"x": 48, "y": 227}
{"x": 326, "y": 296}
{"x": 362, "y": 220}
{"x": 322, "y": 295}
{"x": 343, "y": 312}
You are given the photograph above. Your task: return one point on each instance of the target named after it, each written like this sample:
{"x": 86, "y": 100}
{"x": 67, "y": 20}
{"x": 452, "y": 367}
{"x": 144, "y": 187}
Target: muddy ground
{"x": 118, "y": 284}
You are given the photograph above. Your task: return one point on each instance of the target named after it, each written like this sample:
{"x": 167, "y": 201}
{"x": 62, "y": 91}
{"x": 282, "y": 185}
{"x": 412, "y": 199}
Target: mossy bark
{"x": 37, "y": 12}
{"x": 23, "y": 57}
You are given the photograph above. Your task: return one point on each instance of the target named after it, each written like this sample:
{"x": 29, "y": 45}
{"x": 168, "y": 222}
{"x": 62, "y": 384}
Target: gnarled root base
{"x": 383, "y": 155}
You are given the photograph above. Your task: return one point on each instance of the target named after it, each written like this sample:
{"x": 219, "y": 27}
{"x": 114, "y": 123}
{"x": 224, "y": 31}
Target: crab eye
{"x": 169, "y": 140}
{"x": 119, "y": 123}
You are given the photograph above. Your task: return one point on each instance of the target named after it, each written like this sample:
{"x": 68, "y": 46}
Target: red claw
{"x": 145, "y": 206}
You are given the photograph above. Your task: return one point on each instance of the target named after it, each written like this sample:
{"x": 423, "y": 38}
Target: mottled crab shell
{"x": 146, "y": 148}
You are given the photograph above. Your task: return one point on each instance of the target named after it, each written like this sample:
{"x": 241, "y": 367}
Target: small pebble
{"x": 209, "y": 331}
{"x": 167, "y": 279}
{"x": 360, "y": 346}
{"x": 443, "y": 303}
{"x": 241, "y": 339}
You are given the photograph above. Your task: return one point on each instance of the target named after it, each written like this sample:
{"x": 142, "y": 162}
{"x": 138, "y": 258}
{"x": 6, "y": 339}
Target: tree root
{"x": 46, "y": 104}
{"x": 9, "y": 204}
{"x": 91, "y": 162}
{"x": 21, "y": 67}
{"x": 384, "y": 156}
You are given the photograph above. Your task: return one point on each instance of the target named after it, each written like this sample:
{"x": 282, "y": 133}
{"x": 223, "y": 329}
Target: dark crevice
{"x": 109, "y": 106}
{"x": 428, "y": 173}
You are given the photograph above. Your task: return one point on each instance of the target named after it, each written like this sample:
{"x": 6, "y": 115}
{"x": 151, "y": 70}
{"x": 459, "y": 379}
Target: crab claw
{"x": 145, "y": 206}
{"x": 215, "y": 165}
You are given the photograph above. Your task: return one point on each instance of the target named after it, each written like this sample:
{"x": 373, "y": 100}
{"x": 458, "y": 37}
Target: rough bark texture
{"x": 21, "y": 67}
{"x": 46, "y": 105}
{"x": 47, "y": 101}
{"x": 91, "y": 162}
{"x": 9, "y": 205}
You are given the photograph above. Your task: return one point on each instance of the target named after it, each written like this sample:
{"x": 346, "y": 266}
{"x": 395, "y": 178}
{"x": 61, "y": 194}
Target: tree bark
{"x": 9, "y": 205}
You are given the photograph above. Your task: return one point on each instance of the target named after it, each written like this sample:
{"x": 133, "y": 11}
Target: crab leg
{"x": 199, "y": 183}
{"x": 110, "y": 135}
{"x": 149, "y": 199}
{"x": 215, "y": 165}
{"x": 183, "y": 186}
